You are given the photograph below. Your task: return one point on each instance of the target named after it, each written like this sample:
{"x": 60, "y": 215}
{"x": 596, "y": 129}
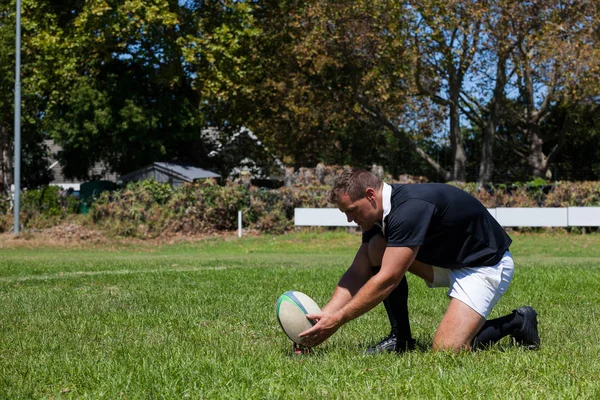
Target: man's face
{"x": 363, "y": 211}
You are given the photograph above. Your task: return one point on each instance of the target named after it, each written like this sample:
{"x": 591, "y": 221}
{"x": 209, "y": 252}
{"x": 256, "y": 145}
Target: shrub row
{"x": 147, "y": 209}
{"x": 537, "y": 193}
{"x": 151, "y": 209}
{"x": 40, "y": 208}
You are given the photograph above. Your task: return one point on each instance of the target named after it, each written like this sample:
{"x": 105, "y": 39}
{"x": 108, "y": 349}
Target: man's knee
{"x": 458, "y": 327}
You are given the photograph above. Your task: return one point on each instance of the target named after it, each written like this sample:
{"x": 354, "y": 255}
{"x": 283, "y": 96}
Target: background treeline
{"x": 455, "y": 90}
{"x": 150, "y": 209}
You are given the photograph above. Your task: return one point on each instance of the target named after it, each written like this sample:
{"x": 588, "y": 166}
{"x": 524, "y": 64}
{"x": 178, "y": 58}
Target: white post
{"x": 239, "y": 224}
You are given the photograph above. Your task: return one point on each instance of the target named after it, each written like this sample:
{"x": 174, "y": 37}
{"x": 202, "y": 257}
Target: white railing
{"x": 509, "y": 217}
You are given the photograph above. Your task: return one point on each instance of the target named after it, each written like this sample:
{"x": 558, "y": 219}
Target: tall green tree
{"x": 484, "y": 98}
{"x": 34, "y": 169}
{"x": 579, "y": 158}
{"x": 130, "y": 99}
{"x": 556, "y": 59}
{"x": 7, "y": 71}
{"x": 330, "y": 80}
{"x": 321, "y": 81}
{"x": 447, "y": 35}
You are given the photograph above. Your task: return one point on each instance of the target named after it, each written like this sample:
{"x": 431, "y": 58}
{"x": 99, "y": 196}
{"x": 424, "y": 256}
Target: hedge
{"x": 149, "y": 209}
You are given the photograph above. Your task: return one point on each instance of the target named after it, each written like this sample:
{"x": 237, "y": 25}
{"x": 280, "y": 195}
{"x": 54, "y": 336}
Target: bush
{"x": 579, "y": 194}
{"x": 6, "y": 222}
{"x": 150, "y": 209}
{"x": 536, "y": 193}
{"x": 4, "y": 204}
{"x": 46, "y": 206}
{"x": 43, "y": 201}
{"x": 160, "y": 192}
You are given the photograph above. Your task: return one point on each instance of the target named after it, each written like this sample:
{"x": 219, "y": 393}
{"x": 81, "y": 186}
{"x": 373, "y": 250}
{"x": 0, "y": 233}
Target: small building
{"x": 174, "y": 173}
{"x": 99, "y": 171}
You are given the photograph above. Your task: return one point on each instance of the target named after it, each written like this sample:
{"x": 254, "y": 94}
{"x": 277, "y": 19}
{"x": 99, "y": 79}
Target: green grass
{"x": 197, "y": 320}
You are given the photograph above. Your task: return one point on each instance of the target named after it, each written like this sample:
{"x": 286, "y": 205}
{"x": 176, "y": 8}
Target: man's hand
{"x": 327, "y": 324}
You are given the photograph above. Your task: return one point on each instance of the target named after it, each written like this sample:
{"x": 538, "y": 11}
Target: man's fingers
{"x": 313, "y": 317}
{"x": 307, "y": 332}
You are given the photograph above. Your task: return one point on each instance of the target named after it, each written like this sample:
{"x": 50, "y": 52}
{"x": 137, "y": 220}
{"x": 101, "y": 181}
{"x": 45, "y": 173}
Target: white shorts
{"x": 480, "y": 288}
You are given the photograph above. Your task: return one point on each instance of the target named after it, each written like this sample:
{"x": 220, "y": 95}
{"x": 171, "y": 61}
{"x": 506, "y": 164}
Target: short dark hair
{"x": 354, "y": 182}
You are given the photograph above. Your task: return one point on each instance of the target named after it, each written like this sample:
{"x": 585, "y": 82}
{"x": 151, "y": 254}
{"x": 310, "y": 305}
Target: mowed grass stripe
{"x": 74, "y": 274}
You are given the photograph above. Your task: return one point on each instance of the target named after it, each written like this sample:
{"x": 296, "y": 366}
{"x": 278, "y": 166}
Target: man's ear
{"x": 370, "y": 194}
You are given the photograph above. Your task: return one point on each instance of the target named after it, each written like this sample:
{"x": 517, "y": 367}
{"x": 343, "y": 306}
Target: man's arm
{"x": 352, "y": 280}
{"x": 395, "y": 263}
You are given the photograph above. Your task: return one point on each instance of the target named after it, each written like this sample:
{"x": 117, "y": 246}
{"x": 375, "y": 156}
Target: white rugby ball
{"x": 291, "y": 309}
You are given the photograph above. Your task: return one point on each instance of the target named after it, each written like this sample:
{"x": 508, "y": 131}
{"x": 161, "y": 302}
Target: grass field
{"x": 197, "y": 320}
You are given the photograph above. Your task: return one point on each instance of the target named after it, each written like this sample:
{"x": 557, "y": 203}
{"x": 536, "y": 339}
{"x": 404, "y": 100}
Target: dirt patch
{"x": 72, "y": 235}
{"x": 66, "y": 235}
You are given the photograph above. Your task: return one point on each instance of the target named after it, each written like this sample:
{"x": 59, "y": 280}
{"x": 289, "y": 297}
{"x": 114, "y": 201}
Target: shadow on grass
{"x": 421, "y": 346}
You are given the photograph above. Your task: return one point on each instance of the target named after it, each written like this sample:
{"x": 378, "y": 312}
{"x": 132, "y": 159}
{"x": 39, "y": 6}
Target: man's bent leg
{"x": 521, "y": 324}
{"x": 459, "y": 326}
{"x": 396, "y": 305}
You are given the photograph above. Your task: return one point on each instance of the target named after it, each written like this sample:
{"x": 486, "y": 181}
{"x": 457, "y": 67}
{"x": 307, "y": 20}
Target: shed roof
{"x": 182, "y": 171}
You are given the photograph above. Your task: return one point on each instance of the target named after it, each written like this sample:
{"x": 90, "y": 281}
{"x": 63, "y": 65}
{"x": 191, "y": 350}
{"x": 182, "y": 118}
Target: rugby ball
{"x": 291, "y": 310}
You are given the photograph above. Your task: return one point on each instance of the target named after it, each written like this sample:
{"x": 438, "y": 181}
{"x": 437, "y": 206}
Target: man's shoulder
{"x": 402, "y": 193}
{"x": 421, "y": 187}
{"x": 410, "y": 207}
{"x": 436, "y": 193}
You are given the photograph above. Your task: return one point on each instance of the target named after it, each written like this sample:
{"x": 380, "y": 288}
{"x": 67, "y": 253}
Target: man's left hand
{"x": 327, "y": 324}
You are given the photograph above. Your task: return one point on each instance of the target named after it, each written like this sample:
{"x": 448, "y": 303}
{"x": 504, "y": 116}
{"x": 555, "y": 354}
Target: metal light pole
{"x": 17, "y": 174}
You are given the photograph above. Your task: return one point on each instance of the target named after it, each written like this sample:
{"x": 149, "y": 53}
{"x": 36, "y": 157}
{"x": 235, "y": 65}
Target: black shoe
{"x": 392, "y": 343}
{"x": 387, "y": 345}
{"x": 528, "y": 334}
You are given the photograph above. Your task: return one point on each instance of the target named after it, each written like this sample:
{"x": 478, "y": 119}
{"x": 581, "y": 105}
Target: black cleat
{"x": 528, "y": 334}
{"x": 392, "y": 343}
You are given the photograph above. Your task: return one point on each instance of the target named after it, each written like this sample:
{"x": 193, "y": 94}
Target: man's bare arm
{"x": 395, "y": 263}
{"x": 352, "y": 280}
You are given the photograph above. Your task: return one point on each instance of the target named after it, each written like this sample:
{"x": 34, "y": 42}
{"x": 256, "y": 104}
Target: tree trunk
{"x": 536, "y": 159}
{"x": 5, "y": 162}
{"x": 456, "y": 140}
{"x": 486, "y": 166}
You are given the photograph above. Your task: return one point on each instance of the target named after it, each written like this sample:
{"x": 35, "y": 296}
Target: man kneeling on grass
{"x": 439, "y": 233}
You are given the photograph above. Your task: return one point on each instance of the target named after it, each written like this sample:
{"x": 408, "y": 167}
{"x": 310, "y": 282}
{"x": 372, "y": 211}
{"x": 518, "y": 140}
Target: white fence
{"x": 509, "y": 217}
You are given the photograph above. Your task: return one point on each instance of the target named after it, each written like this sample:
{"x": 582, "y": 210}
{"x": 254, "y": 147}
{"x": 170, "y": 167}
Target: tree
{"x": 33, "y": 151}
{"x": 338, "y": 85}
{"x": 556, "y": 59}
{"x": 580, "y": 156}
{"x": 130, "y": 100}
{"x": 336, "y": 82}
{"x": 7, "y": 72}
{"x": 484, "y": 100}
{"x": 363, "y": 55}
{"x": 447, "y": 35}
